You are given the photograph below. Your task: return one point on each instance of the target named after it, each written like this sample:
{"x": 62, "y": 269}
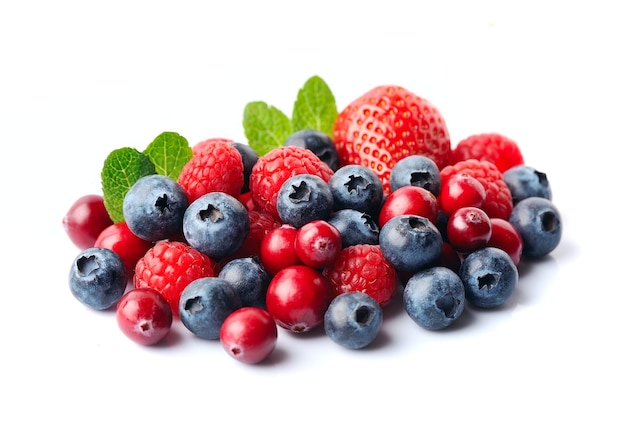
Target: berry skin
{"x": 363, "y": 268}
{"x": 410, "y": 242}
{"x": 468, "y": 229}
{"x": 275, "y": 167}
{"x": 216, "y": 224}
{"x": 119, "y": 238}
{"x": 387, "y": 124}
{"x": 355, "y": 227}
{"x": 85, "y": 219}
{"x": 434, "y": 298}
{"x": 318, "y": 243}
{"x": 461, "y": 191}
{"x": 503, "y": 152}
{"x": 356, "y": 187}
{"x": 144, "y": 316}
{"x": 154, "y": 207}
{"x": 278, "y": 249}
{"x": 204, "y": 305}
{"x": 525, "y": 181}
{"x": 353, "y": 320}
{"x": 506, "y": 237}
{"x": 538, "y": 222}
{"x": 319, "y": 143}
{"x": 169, "y": 267}
{"x": 249, "y": 158}
{"x": 97, "y": 278}
{"x": 261, "y": 224}
{"x": 298, "y": 297}
{"x": 249, "y": 335}
{"x": 409, "y": 200}
{"x": 489, "y": 277}
{"x": 216, "y": 166}
{"x": 304, "y": 198}
{"x": 498, "y": 200}
{"x": 249, "y": 278}
{"x": 416, "y": 170}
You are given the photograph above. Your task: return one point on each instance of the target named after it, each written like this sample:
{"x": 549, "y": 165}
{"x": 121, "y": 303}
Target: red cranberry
{"x": 409, "y": 199}
{"x": 461, "y": 191}
{"x": 119, "y": 238}
{"x": 249, "y": 334}
{"x": 85, "y": 219}
{"x": 507, "y": 238}
{"x": 468, "y": 229}
{"x": 318, "y": 243}
{"x": 297, "y": 297}
{"x": 278, "y": 249}
{"x": 144, "y": 316}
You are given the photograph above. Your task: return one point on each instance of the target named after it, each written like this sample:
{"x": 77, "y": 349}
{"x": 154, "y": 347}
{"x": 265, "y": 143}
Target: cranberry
{"x": 249, "y": 334}
{"x": 119, "y": 238}
{"x": 318, "y": 243}
{"x": 278, "y": 249}
{"x": 85, "y": 219}
{"x": 144, "y": 316}
{"x": 507, "y": 238}
{"x": 297, "y": 297}
{"x": 461, "y": 191}
{"x": 409, "y": 199}
{"x": 468, "y": 229}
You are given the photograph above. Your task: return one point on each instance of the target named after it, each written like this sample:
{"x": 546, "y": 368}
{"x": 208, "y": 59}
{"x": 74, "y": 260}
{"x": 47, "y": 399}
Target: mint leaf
{"x": 315, "y": 107}
{"x": 169, "y": 152}
{"x": 122, "y": 168}
{"x": 265, "y": 126}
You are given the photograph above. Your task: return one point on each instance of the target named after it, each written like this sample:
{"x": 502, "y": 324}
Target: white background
{"x": 78, "y": 79}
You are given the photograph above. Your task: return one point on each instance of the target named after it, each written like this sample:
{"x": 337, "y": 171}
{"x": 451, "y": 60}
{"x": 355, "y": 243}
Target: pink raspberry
{"x": 493, "y": 147}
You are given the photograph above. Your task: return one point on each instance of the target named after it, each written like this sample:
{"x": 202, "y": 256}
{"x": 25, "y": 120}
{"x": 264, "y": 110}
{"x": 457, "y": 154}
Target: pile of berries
{"x": 322, "y": 230}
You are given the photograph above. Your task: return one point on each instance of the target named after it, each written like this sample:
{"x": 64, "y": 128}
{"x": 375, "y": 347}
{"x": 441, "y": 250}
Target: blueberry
{"x": 538, "y": 222}
{"x": 489, "y": 277}
{"x": 353, "y": 319}
{"x": 356, "y": 187}
{"x": 249, "y": 157}
{"x": 97, "y": 278}
{"x": 410, "y": 242}
{"x": 303, "y": 198}
{"x": 249, "y": 278}
{"x": 154, "y": 207}
{"x": 416, "y": 170}
{"x": 204, "y": 305}
{"x": 216, "y": 224}
{"x": 524, "y": 181}
{"x": 434, "y": 298}
{"x": 319, "y": 143}
{"x": 355, "y": 227}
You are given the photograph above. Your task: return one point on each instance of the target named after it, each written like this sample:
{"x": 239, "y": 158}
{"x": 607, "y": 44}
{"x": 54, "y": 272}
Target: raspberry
{"x": 363, "y": 268}
{"x": 215, "y": 166}
{"x": 275, "y": 167}
{"x": 493, "y": 147}
{"x": 261, "y": 224}
{"x": 200, "y": 147}
{"x": 169, "y": 267}
{"x": 498, "y": 200}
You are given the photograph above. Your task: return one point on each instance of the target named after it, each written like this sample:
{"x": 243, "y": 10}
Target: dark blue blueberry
{"x": 97, "y": 278}
{"x": 353, "y": 320}
{"x": 489, "y": 277}
{"x": 204, "y": 305}
{"x": 538, "y": 222}
{"x": 154, "y": 207}
{"x": 319, "y": 143}
{"x": 410, "y": 242}
{"x": 216, "y": 224}
{"x": 356, "y": 187}
{"x": 249, "y": 278}
{"x": 355, "y": 227}
{"x": 525, "y": 181}
{"x": 303, "y": 198}
{"x": 416, "y": 170}
{"x": 249, "y": 158}
{"x": 434, "y": 298}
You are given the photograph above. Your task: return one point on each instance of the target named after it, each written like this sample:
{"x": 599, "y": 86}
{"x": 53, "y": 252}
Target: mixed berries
{"x": 322, "y": 228}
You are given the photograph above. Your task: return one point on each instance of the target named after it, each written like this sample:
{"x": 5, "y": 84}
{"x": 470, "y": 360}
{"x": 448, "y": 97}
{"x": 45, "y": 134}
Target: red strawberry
{"x": 275, "y": 167}
{"x": 363, "y": 267}
{"x": 169, "y": 267}
{"x": 387, "y": 124}
{"x": 215, "y": 166}
{"x": 498, "y": 200}
{"x": 496, "y": 148}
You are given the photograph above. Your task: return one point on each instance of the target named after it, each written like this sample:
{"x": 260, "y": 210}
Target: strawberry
{"x": 496, "y": 148}
{"x": 387, "y": 124}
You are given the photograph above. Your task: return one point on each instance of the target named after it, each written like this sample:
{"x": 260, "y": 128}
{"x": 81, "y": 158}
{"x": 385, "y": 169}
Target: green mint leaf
{"x": 315, "y": 107}
{"x": 122, "y": 168}
{"x": 169, "y": 152}
{"x": 265, "y": 127}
